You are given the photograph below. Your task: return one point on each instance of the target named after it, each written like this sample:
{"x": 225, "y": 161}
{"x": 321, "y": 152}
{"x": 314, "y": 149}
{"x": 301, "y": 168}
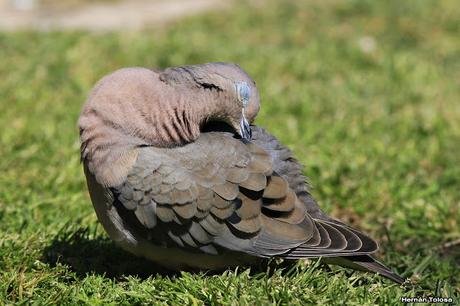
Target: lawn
{"x": 366, "y": 93}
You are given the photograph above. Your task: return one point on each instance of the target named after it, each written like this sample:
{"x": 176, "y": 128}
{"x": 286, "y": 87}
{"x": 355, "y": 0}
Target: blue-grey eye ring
{"x": 244, "y": 92}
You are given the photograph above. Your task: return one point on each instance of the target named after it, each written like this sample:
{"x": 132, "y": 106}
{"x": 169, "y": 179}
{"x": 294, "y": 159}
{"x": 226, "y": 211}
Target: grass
{"x": 366, "y": 93}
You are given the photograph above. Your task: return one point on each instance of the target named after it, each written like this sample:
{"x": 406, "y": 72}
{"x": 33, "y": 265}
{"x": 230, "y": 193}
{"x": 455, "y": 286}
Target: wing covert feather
{"x": 221, "y": 193}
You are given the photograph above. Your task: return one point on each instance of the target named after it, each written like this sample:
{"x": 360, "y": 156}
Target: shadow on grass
{"x": 86, "y": 253}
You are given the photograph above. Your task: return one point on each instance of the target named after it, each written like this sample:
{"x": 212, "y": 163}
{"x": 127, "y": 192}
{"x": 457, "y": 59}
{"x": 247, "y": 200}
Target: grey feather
{"x": 146, "y": 214}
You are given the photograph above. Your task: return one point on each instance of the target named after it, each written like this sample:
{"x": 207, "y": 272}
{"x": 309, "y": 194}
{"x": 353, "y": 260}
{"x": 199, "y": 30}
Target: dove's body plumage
{"x": 213, "y": 201}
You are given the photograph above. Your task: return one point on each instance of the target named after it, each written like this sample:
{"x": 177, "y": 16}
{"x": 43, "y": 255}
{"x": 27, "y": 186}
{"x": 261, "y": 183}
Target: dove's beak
{"x": 245, "y": 128}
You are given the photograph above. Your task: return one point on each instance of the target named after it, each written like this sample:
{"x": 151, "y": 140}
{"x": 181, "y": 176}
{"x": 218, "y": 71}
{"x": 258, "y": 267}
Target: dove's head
{"x": 229, "y": 92}
{"x": 136, "y": 107}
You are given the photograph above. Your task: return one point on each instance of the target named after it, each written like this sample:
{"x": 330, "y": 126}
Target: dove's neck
{"x": 205, "y": 107}
{"x": 178, "y": 121}
{"x": 135, "y": 110}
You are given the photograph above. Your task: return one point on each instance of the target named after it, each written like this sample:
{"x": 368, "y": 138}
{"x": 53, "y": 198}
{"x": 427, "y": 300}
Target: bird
{"x": 178, "y": 173}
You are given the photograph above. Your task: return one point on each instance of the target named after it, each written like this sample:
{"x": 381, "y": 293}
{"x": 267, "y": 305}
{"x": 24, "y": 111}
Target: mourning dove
{"x": 177, "y": 175}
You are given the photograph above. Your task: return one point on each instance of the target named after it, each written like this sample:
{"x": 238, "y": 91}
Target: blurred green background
{"x": 366, "y": 93}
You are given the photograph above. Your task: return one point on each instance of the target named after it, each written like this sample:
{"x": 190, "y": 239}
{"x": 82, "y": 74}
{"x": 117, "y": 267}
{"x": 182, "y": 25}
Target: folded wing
{"x": 219, "y": 194}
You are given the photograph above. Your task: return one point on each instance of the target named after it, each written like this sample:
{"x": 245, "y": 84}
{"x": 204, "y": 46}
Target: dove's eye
{"x": 244, "y": 92}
